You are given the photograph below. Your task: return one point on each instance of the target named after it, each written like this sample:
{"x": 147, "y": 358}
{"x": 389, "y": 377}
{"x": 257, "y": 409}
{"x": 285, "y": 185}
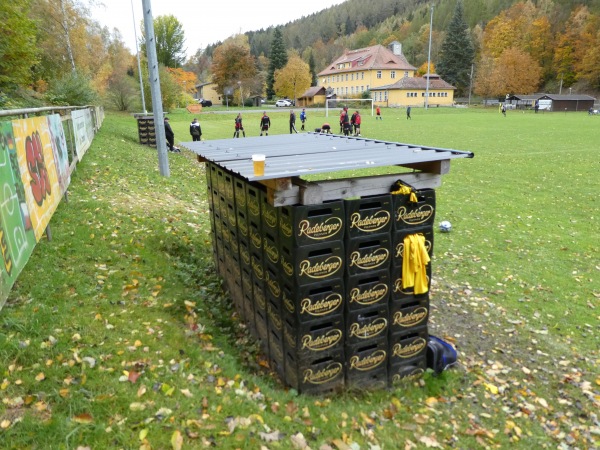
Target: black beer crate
{"x": 257, "y": 264}
{"x": 407, "y": 294}
{"x": 367, "y": 289}
{"x": 262, "y": 330}
{"x": 313, "y": 301}
{"x": 230, "y": 215}
{"x": 259, "y": 295}
{"x": 276, "y": 354}
{"x": 244, "y": 252}
{"x": 226, "y": 236}
{"x": 367, "y": 364}
{"x": 320, "y": 374}
{"x": 253, "y": 202}
{"x": 409, "y": 214}
{"x": 239, "y": 191}
{"x": 220, "y": 181}
{"x": 247, "y": 292}
{"x": 398, "y": 242}
{"x": 407, "y": 316}
{"x": 306, "y": 340}
{"x": 368, "y": 253}
{"x": 274, "y": 315}
{"x": 242, "y": 224}
{"x": 270, "y": 248}
{"x": 368, "y": 215}
{"x": 272, "y": 283}
{"x": 255, "y": 234}
{"x": 407, "y": 371}
{"x": 228, "y": 186}
{"x": 408, "y": 345}
{"x": 209, "y": 197}
{"x": 269, "y": 215}
{"x": 212, "y": 172}
{"x": 311, "y": 224}
{"x": 215, "y": 201}
{"x": 248, "y": 316}
{"x": 312, "y": 263}
{"x": 366, "y": 325}
{"x": 234, "y": 243}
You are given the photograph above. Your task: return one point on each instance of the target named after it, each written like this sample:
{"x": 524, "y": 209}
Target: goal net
{"x": 343, "y": 102}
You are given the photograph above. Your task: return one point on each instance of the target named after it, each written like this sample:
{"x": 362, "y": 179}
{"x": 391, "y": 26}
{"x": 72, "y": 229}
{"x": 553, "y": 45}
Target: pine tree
{"x": 313, "y": 71}
{"x": 457, "y": 53}
{"x": 278, "y": 60}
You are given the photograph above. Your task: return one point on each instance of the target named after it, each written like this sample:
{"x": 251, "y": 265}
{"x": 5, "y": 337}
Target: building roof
{"x": 375, "y": 57}
{"x": 435, "y": 82}
{"x": 572, "y": 97}
{"x": 314, "y": 90}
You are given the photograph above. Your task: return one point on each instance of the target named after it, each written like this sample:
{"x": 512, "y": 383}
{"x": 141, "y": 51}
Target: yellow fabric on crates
{"x": 414, "y": 263}
{"x": 405, "y": 190}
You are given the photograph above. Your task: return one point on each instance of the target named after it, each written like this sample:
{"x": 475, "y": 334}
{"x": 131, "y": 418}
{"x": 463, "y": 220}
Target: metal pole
{"x": 137, "y": 52}
{"x": 157, "y": 107}
{"x": 428, "y": 60}
{"x": 470, "y": 84}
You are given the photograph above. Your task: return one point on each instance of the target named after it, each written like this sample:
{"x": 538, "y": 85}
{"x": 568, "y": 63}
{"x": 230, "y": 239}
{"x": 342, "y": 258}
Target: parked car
{"x": 283, "y": 102}
{"x": 205, "y": 103}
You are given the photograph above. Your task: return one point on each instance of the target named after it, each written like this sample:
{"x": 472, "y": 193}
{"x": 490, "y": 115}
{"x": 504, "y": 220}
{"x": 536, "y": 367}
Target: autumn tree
{"x": 293, "y": 79}
{"x": 515, "y": 71}
{"x": 232, "y": 62}
{"x": 457, "y": 53}
{"x": 17, "y": 43}
{"x": 277, "y": 60}
{"x": 170, "y": 41}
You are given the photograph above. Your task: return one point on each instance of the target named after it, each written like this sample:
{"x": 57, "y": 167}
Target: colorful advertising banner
{"x": 83, "y": 129}
{"x": 17, "y": 238}
{"x": 39, "y": 173}
{"x": 59, "y": 149}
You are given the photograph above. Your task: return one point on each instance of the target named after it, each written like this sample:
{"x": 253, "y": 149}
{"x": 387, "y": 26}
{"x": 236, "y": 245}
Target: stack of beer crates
{"x": 320, "y": 286}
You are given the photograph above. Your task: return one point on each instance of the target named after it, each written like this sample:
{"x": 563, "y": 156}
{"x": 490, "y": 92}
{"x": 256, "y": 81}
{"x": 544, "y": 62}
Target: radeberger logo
{"x": 231, "y": 217}
{"x": 322, "y": 269}
{"x": 415, "y": 216}
{"x": 400, "y": 248}
{"x": 288, "y": 269}
{"x": 240, "y": 197}
{"x": 369, "y": 362}
{"x": 254, "y": 207}
{"x": 320, "y": 307}
{"x": 369, "y": 296}
{"x": 289, "y": 337}
{"x": 271, "y": 251}
{"x": 369, "y": 330}
{"x": 285, "y": 228}
{"x": 255, "y": 238}
{"x": 411, "y": 319}
{"x": 415, "y": 373}
{"x": 270, "y": 216}
{"x": 260, "y": 299}
{"x": 410, "y": 350}
{"x": 322, "y": 376}
{"x": 371, "y": 260}
{"x": 258, "y": 268}
{"x": 320, "y": 231}
{"x": 288, "y": 303}
{"x": 323, "y": 342}
{"x": 245, "y": 255}
{"x": 371, "y": 223}
{"x": 275, "y": 318}
{"x": 273, "y": 285}
{"x": 243, "y": 227}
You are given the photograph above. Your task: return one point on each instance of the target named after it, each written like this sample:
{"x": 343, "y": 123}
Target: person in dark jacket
{"x": 265, "y": 124}
{"x": 195, "y": 130}
{"x": 170, "y": 136}
{"x": 292, "y": 121}
{"x": 238, "y": 126}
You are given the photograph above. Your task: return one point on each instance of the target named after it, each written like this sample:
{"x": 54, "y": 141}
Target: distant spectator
{"x": 378, "y": 113}
{"x": 195, "y": 130}
{"x": 239, "y": 126}
{"x": 408, "y": 113}
{"x": 357, "y": 121}
{"x": 302, "y": 118}
{"x": 293, "y": 121}
{"x": 346, "y": 123}
{"x": 170, "y": 136}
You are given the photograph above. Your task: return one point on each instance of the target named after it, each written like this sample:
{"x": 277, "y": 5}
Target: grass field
{"x": 117, "y": 334}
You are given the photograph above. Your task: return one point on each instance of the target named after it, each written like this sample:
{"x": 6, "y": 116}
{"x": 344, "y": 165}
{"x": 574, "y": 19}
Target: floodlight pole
{"x": 157, "y": 107}
{"x": 137, "y": 52}
{"x": 428, "y": 60}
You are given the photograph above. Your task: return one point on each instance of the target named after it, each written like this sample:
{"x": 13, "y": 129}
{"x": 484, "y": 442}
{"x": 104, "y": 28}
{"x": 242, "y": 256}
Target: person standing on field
{"x": 357, "y": 121}
{"x": 195, "y": 130}
{"x": 293, "y": 121}
{"x": 378, "y": 113}
{"x": 408, "y": 113}
{"x": 238, "y": 126}
{"x": 265, "y": 124}
{"x": 170, "y": 136}
{"x": 302, "y": 118}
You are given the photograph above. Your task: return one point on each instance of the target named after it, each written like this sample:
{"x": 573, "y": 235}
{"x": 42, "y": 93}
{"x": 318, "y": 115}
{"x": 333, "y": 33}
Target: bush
{"x": 73, "y": 89}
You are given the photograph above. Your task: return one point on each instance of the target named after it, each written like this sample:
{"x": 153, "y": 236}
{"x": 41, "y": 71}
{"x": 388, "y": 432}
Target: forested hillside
{"x": 562, "y": 37}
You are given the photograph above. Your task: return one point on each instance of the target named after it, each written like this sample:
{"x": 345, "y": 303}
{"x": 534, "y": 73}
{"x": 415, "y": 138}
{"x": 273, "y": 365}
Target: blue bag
{"x": 440, "y": 355}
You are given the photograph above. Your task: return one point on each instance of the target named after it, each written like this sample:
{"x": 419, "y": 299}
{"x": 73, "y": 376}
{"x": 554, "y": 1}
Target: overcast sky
{"x": 206, "y": 22}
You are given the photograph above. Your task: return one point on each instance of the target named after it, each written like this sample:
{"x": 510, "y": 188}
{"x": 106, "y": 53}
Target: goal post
{"x": 344, "y": 102}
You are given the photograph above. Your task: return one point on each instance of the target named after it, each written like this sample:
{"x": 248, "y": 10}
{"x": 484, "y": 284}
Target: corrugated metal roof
{"x": 295, "y": 155}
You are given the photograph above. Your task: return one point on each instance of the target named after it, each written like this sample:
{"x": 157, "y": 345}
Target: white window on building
{"x": 352, "y": 90}
{"x": 362, "y": 75}
{"x": 406, "y": 74}
{"x": 393, "y": 74}
{"x": 352, "y": 77}
{"x": 386, "y": 94}
{"x": 379, "y": 74}
{"x": 346, "y": 77}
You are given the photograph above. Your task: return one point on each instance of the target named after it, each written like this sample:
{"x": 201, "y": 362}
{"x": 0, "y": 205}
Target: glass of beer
{"x": 259, "y": 164}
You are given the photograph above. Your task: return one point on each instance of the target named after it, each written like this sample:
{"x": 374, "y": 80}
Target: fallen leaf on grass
{"x": 176, "y": 440}
{"x": 83, "y": 418}
{"x": 298, "y": 441}
{"x": 271, "y": 437}
{"x": 430, "y": 442}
